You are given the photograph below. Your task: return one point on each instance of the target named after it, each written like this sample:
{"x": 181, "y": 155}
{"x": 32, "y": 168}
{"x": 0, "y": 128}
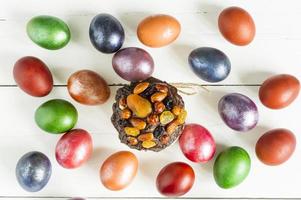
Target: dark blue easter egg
{"x": 238, "y": 111}
{"x": 33, "y": 171}
{"x": 106, "y": 33}
{"x": 210, "y": 64}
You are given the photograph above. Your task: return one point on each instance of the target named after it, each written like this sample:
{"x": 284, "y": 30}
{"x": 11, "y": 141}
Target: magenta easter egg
{"x": 74, "y": 148}
{"x": 238, "y": 112}
{"x": 197, "y": 144}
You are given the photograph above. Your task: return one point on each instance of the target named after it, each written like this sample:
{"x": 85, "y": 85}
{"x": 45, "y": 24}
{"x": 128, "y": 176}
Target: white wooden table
{"x": 276, "y": 49}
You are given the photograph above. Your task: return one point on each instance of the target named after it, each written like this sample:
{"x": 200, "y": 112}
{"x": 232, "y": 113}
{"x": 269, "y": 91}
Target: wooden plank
{"x": 19, "y": 135}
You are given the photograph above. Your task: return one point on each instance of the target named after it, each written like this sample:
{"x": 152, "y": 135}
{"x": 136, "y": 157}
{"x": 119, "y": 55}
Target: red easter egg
{"x": 196, "y": 143}
{"x": 33, "y": 76}
{"x": 175, "y": 179}
{"x": 74, "y": 148}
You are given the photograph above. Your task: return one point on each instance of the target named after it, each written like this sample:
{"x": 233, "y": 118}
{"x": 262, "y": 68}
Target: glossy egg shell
{"x": 48, "y": 32}
{"x": 237, "y": 26}
{"x": 275, "y": 146}
{"x": 88, "y": 87}
{"x": 238, "y": 112}
{"x": 209, "y": 64}
{"x": 33, "y": 171}
{"x": 33, "y": 76}
{"x": 196, "y": 143}
{"x": 106, "y": 33}
{"x": 175, "y": 179}
{"x": 279, "y": 91}
{"x": 119, "y": 170}
{"x": 231, "y": 167}
{"x": 133, "y": 64}
{"x": 74, "y": 148}
{"x": 158, "y": 30}
{"x": 56, "y": 116}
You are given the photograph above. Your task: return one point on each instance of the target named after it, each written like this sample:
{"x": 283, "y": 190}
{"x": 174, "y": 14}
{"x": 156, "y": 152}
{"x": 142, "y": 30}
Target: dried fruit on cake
{"x": 152, "y": 114}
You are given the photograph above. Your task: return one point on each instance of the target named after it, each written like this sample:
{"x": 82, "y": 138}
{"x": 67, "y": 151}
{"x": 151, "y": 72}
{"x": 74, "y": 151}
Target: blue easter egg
{"x": 33, "y": 171}
{"x": 106, "y": 33}
{"x": 210, "y": 64}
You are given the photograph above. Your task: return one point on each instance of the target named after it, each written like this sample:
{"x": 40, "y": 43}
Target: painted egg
{"x": 275, "y": 146}
{"x": 231, "y": 167}
{"x": 56, "y": 116}
{"x": 237, "y": 26}
{"x": 33, "y": 76}
{"x": 238, "y": 111}
{"x": 119, "y": 170}
{"x": 106, "y": 33}
{"x": 48, "y": 32}
{"x": 74, "y": 148}
{"x": 33, "y": 171}
{"x": 197, "y": 143}
{"x": 158, "y": 30}
{"x": 209, "y": 64}
{"x": 279, "y": 91}
{"x": 133, "y": 64}
{"x": 175, "y": 179}
{"x": 88, "y": 87}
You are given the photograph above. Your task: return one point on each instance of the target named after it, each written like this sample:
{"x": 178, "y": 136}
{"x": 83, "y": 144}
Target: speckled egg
{"x": 238, "y": 111}
{"x": 33, "y": 171}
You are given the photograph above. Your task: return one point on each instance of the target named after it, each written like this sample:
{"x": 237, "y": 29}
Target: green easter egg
{"x": 231, "y": 167}
{"x": 48, "y": 32}
{"x": 56, "y": 116}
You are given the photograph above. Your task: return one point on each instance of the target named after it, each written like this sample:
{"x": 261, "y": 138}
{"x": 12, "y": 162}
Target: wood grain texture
{"x": 276, "y": 49}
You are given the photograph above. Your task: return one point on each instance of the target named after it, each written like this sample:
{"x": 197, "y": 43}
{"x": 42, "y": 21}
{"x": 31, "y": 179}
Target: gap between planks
{"x": 136, "y": 198}
{"x": 123, "y": 84}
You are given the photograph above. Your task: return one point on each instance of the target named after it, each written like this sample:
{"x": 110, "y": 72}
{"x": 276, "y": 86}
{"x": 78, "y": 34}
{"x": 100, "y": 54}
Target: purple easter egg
{"x": 133, "y": 64}
{"x": 238, "y": 111}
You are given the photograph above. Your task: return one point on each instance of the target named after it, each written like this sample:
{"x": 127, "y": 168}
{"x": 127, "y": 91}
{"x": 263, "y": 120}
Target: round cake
{"x": 148, "y": 115}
